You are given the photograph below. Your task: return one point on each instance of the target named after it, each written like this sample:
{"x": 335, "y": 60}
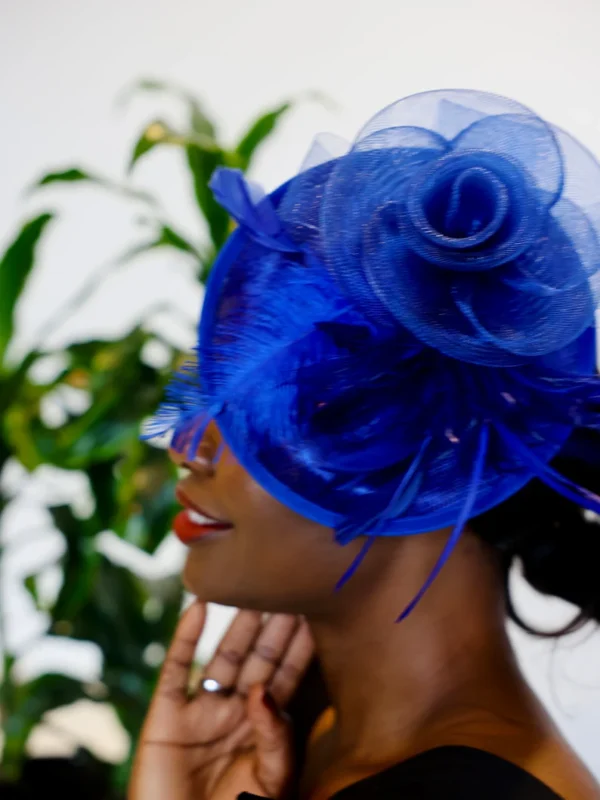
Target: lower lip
{"x": 188, "y": 531}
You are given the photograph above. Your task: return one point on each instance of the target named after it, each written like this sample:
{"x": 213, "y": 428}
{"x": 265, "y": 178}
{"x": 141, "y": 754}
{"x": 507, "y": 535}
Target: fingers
{"x": 273, "y": 741}
{"x": 226, "y": 664}
{"x": 275, "y": 654}
{"x": 293, "y": 665}
{"x": 267, "y": 651}
{"x": 174, "y": 676}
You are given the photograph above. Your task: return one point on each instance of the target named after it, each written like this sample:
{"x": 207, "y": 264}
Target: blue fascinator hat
{"x": 402, "y": 336}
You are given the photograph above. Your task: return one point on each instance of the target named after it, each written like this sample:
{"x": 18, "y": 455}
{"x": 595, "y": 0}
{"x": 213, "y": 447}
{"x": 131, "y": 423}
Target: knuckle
{"x": 267, "y": 653}
{"x": 290, "y": 671}
{"x": 274, "y": 741}
{"x": 232, "y": 657}
{"x": 175, "y": 663}
{"x": 171, "y": 674}
{"x": 170, "y": 693}
{"x": 187, "y": 642}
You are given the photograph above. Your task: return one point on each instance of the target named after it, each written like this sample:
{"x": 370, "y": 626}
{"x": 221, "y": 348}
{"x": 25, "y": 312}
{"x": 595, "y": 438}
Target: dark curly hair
{"x": 557, "y": 542}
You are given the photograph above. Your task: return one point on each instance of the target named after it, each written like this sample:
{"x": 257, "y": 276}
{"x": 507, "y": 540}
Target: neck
{"x": 393, "y": 686}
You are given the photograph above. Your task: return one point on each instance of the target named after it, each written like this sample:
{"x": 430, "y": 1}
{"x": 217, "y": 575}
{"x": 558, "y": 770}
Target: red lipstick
{"x": 194, "y": 523}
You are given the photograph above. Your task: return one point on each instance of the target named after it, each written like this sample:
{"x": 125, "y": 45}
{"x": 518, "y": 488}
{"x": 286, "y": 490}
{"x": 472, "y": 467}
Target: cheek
{"x": 275, "y": 559}
{"x": 294, "y": 556}
{"x": 263, "y": 519}
{"x": 248, "y": 505}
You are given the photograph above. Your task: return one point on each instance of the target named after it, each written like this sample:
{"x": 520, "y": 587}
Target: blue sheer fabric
{"x": 402, "y": 336}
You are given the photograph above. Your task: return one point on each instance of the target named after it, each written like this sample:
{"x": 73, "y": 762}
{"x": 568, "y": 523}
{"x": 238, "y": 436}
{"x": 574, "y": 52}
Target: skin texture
{"x": 446, "y": 675}
{"x": 212, "y": 746}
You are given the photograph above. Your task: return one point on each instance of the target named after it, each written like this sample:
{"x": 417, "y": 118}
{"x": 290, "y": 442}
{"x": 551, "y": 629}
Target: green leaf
{"x": 76, "y": 175}
{"x": 13, "y": 380}
{"x": 202, "y": 164}
{"x": 15, "y": 267}
{"x": 264, "y": 126}
{"x": 170, "y": 238}
{"x": 260, "y": 130}
{"x": 155, "y": 133}
{"x": 80, "y": 564}
{"x": 104, "y": 488}
{"x": 199, "y": 121}
{"x": 167, "y": 236}
{"x": 65, "y": 176}
{"x": 30, "y": 584}
{"x": 159, "y": 133}
{"x": 203, "y": 157}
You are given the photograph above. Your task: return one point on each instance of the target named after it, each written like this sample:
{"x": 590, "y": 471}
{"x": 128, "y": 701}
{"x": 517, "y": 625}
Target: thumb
{"x": 273, "y": 741}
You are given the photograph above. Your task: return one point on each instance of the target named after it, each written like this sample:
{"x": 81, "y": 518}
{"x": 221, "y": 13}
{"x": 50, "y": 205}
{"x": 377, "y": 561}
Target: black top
{"x": 448, "y": 773}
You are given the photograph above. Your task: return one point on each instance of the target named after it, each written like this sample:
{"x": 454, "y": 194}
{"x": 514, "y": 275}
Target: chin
{"x": 233, "y": 582}
{"x": 225, "y": 593}
{"x": 212, "y": 586}
{"x": 201, "y": 584}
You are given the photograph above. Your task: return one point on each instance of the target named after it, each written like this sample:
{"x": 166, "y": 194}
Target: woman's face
{"x": 271, "y": 558}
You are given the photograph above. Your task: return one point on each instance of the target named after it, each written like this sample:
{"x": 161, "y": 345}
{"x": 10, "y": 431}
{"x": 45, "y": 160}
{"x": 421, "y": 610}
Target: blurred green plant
{"x": 131, "y": 483}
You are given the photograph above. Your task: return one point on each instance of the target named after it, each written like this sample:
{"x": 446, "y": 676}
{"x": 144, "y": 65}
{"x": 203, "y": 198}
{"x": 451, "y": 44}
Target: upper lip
{"x": 187, "y": 503}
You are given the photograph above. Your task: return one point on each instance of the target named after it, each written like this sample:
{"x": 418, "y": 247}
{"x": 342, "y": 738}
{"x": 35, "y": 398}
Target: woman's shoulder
{"x": 473, "y": 760}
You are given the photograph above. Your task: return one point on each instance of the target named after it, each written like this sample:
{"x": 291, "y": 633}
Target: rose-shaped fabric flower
{"x": 468, "y": 220}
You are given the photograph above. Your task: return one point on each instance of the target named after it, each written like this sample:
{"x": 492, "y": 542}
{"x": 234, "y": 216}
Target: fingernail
{"x": 269, "y": 703}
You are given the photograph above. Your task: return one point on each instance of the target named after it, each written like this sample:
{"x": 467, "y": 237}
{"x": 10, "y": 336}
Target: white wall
{"x": 62, "y": 63}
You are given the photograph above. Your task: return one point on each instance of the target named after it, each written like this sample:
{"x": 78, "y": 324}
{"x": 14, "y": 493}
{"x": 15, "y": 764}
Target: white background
{"x": 62, "y": 65}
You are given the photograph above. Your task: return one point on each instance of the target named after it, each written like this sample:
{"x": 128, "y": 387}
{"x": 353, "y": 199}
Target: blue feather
{"x": 463, "y": 517}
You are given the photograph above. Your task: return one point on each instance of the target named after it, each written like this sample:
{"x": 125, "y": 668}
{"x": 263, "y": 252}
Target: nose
{"x": 201, "y": 460}
{"x": 183, "y": 459}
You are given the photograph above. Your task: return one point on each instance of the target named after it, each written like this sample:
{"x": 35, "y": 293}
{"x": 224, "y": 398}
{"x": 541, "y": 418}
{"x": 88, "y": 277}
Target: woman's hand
{"x": 213, "y": 746}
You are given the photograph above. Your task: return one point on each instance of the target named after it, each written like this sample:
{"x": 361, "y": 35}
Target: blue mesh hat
{"x": 402, "y": 336}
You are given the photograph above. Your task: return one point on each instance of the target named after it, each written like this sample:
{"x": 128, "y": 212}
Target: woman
{"x": 399, "y": 341}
